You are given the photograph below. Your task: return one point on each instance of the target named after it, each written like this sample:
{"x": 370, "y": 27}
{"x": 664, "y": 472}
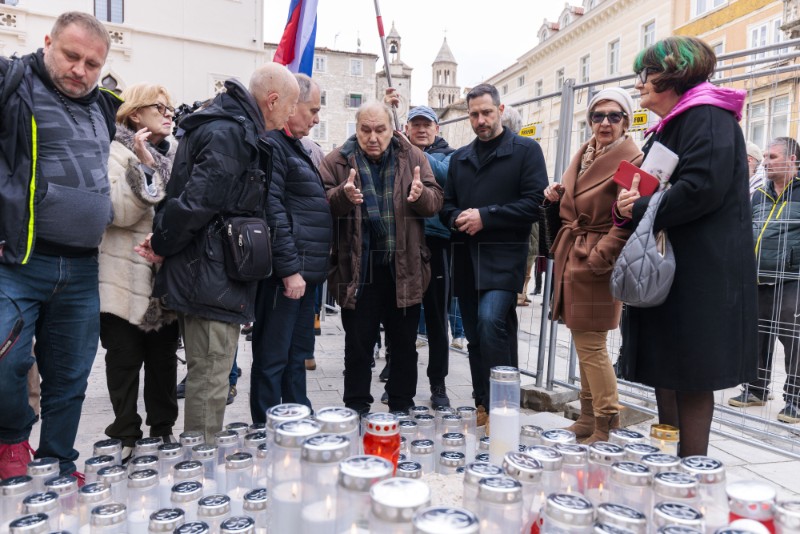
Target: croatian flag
{"x": 296, "y": 49}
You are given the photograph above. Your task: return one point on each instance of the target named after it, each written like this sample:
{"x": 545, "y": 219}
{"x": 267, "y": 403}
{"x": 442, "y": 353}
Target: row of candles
{"x": 298, "y": 474}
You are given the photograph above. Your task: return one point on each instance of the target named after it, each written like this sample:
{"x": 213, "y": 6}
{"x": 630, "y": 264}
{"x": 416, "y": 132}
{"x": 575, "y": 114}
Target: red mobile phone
{"x": 648, "y": 184}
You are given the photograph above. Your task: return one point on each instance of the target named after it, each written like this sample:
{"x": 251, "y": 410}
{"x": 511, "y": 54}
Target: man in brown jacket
{"x": 381, "y": 188}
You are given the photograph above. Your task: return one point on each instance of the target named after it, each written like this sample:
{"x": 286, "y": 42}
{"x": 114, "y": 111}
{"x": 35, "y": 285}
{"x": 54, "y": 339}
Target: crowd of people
{"x": 112, "y": 229}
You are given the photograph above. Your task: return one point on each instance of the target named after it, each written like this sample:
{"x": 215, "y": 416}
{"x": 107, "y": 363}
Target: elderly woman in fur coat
{"x": 585, "y": 250}
{"x": 134, "y": 328}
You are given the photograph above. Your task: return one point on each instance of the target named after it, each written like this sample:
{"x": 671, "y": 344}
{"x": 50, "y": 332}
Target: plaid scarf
{"x": 378, "y": 204}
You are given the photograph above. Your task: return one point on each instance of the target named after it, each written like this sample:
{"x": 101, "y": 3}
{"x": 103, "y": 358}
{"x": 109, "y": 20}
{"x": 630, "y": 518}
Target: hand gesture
{"x": 469, "y": 222}
{"x": 391, "y": 98}
{"x": 627, "y": 197}
{"x": 294, "y": 287}
{"x": 416, "y": 186}
{"x": 140, "y": 147}
{"x": 353, "y": 193}
{"x": 553, "y": 192}
{"x": 145, "y": 250}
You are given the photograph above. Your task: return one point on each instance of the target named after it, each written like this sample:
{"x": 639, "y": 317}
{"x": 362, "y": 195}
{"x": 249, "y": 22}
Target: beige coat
{"x": 588, "y": 243}
{"x": 126, "y": 279}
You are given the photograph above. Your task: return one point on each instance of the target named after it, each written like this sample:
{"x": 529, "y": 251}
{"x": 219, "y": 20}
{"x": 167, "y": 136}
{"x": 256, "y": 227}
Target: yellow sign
{"x": 640, "y": 120}
{"x": 533, "y": 130}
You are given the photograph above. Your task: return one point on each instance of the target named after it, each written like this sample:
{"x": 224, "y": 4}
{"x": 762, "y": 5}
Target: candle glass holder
{"x": 630, "y": 485}
{"x": 409, "y": 470}
{"x": 92, "y": 465}
{"x": 787, "y": 517}
{"x": 146, "y": 446}
{"x": 227, "y": 442}
{"x": 256, "y": 505}
{"x": 469, "y": 420}
{"x": 677, "y": 515}
{"x": 418, "y": 410}
{"x": 408, "y": 430}
{"x": 241, "y": 430}
{"x": 530, "y": 435}
{"x": 252, "y": 441}
{"x": 567, "y": 513}
{"x": 239, "y": 479}
{"x": 438, "y": 413}
{"x": 43, "y": 502}
{"x": 625, "y": 436}
{"x": 116, "y": 478}
{"x": 12, "y": 491}
{"x": 526, "y": 470}
{"x": 186, "y": 495}
{"x": 319, "y": 466}
{"x": 357, "y": 474}
{"x": 450, "y": 461}
{"x": 499, "y": 505}
{"x": 382, "y": 436}
{"x": 504, "y": 408}
{"x": 89, "y": 496}
{"x": 40, "y": 470}
{"x": 473, "y": 473}
{"x": 660, "y": 462}
{"x": 238, "y": 525}
{"x": 455, "y": 442}
{"x": 187, "y": 470}
{"x": 110, "y": 447}
{"x": 754, "y": 500}
{"x": 166, "y": 520}
{"x": 551, "y": 461}
{"x": 394, "y": 503}
{"x": 141, "y": 463}
{"x": 213, "y": 510}
{"x": 452, "y": 422}
{"x": 109, "y": 518}
{"x": 426, "y": 426}
{"x": 422, "y": 452}
{"x": 602, "y": 455}
{"x": 554, "y": 436}
{"x": 66, "y": 487}
{"x": 623, "y": 517}
{"x": 635, "y": 452}
{"x": 710, "y": 474}
{"x": 206, "y": 454}
{"x": 449, "y": 520}
{"x": 261, "y": 467}
{"x": 674, "y": 486}
{"x": 666, "y": 438}
{"x": 189, "y": 439}
{"x": 169, "y": 454}
{"x": 342, "y": 421}
{"x": 286, "y": 481}
{"x": 282, "y": 413}
{"x": 143, "y": 499}
{"x": 574, "y": 467}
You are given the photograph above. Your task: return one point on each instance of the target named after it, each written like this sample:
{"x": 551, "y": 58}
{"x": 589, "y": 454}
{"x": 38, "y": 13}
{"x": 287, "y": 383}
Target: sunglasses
{"x": 615, "y": 117}
{"x": 161, "y": 108}
{"x": 644, "y": 73}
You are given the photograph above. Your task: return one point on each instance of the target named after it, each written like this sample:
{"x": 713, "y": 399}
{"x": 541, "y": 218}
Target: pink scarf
{"x": 705, "y": 94}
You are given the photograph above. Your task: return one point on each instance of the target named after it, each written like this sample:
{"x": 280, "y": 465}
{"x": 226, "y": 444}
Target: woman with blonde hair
{"x": 135, "y": 329}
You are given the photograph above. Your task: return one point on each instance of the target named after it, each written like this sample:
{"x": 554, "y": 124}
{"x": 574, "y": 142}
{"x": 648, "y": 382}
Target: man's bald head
{"x": 276, "y": 91}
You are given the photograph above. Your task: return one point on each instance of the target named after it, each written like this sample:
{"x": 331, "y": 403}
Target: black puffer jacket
{"x": 776, "y": 231}
{"x": 219, "y": 170}
{"x": 299, "y": 214}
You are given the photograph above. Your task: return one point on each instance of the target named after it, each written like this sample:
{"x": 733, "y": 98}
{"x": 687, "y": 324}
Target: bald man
{"x": 217, "y": 173}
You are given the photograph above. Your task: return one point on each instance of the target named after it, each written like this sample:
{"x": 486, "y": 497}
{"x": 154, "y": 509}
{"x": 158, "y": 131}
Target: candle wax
{"x": 505, "y": 433}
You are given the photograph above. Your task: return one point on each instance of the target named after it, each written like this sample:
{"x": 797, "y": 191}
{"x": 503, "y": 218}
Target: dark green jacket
{"x": 776, "y": 231}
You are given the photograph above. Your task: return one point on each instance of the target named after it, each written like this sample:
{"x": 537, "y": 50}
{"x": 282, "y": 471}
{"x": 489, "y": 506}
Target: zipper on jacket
{"x": 32, "y": 189}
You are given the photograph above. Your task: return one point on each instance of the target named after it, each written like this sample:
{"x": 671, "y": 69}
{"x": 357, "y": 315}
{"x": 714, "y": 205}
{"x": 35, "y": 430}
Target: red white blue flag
{"x": 296, "y": 49}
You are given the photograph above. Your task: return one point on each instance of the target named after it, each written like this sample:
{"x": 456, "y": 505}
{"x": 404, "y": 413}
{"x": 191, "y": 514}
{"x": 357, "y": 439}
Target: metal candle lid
{"x": 286, "y": 412}
{"x": 660, "y": 462}
{"x": 16, "y": 485}
{"x": 751, "y": 499}
{"x": 167, "y": 451}
{"x": 94, "y": 492}
{"x": 787, "y": 515}
{"x": 254, "y": 439}
{"x": 676, "y": 513}
{"x": 258, "y": 427}
{"x": 40, "y": 502}
{"x": 29, "y": 524}
{"x": 467, "y": 412}
{"x": 95, "y": 463}
{"x": 187, "y": 491}
{"x": 326, "y": 448}
{"x": 261, "y": 453}
{"x": 442, "y": 520}
{"x": 407, "y": 427}
{"x": 453, "y": 439}
{"x": 397, "y": 499}
{"x": 187, "y": 469}
{"x": 605, "y": 453}
{"x": 418, "y": 410}
{"x": 522, "y": 467}
{"x": 41, "y": 467}
{"x": 549, "y": 457}
{"x": 452, "y": 419}
{"x": 425, "y": 420}
{"x": 624, "y": 436}
{"x": 409, "y": 470}
{"x": 240, "y": 428}
{"x": 291, "y": 434}
{"x": 483, "y": 444}
{"x": 147, "y": 446}
{"x": 531, "y": 431}
{"x": 557, "y": 435}
{"x": 213, "y": 505}
{"x": 630, "y": 473}
{"x": 107, "y": 446}
{"x": 112, "y": 513}
{"x": 441, "y": 411}
{"x": 238, "y": 525}
{"x": 707, "y": 470}
{"x": 675, "y": 485}
{"x": 475, "y": 471}
{"x": 382, "y": 424}
{"x": 64, "y": 485}
{"x": 239, "y": 460}
{"x": 504, "y": 374}
{"x": 166, "y": 519}
{"x": 255, "y": 500}
{"x": 401, "y": 415}
{"x": 482, "y": 457}
{"x": 226, "y": 438}
{"x": 337, "y": 420}
{"x": 572, "y": 453}
{"x": 634, "y": 452}
{"x": 677, "y": 529}
{"x": 194, "y": 527}
{"x": 452, "y": 459}
{"x": 502, "y": 490}
{"x": 622, "y": 516}
{"x": 359, "y": 473}
{"x": 190, "y": 438}
{"x": 143, "y": 479}
{"x": 112, "y": 474}
{"x": 605, "y": 528}
{"x": 143, "y": 462}
{"x": 569, "y": 508}
{"x": 422, "y": 446}
{"x": 204, "y": 451}
{"x": 664, "y": 432}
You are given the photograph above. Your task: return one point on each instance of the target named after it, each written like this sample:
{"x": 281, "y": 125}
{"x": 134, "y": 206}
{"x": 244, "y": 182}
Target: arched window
{"x": 111, "y": 83}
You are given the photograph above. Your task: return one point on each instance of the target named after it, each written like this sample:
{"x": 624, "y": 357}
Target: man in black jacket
{"x": 494, "y": 186}
{"x": 300, "y": 221}
{"x": 56, "y": 127}
{"x": 220, "y": 170}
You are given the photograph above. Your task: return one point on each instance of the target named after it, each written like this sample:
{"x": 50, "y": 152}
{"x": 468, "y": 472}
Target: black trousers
{"x": 436, "y": 302}
{"x": 127, "y": 349}
{"x": 376, "y": 303}
{"x": 778, "y": 310}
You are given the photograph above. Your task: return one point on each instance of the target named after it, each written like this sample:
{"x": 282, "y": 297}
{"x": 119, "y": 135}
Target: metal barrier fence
{"x": 771, "y": 77}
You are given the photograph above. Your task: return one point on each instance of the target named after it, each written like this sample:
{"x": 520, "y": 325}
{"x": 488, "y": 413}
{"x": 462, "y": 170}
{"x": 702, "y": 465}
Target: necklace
{"x": 71, "y": 114}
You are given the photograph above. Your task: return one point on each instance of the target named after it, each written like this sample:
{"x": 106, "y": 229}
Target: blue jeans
{"x": 490, "y": 323}
{"x": 456, "y": 327}
{"x": 60, "y": 304}
{"x": 283, "y": 337}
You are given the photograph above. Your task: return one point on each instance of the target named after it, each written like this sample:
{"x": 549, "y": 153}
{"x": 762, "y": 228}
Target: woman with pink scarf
{"x": 703, "y": 337}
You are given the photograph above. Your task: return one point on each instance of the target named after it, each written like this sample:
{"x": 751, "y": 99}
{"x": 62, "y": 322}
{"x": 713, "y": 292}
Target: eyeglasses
{"x": 642, "y": 74}
{"x": 613, "y": 118}
{"x": 161, "y": 108}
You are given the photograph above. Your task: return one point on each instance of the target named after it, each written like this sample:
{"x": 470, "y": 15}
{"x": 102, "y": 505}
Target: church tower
{"x": 444, "y": 87}
{"x": 401, "y": 76}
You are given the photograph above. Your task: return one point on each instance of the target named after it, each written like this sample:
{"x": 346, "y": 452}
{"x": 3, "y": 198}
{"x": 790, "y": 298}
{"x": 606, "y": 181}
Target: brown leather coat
{"x": 412, "y": 257}
{"x": 588, "y": 243}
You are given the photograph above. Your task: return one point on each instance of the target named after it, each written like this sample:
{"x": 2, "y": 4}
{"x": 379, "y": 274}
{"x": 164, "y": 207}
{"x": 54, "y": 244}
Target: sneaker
{"x": 181, "y": 390}
{"x": 421, "y": 342}
{"x": 482, "y": 417}
{"x": 384, "y": 376}
{"x": 789, "y": 414}
{"x": 127, "y": 455}
{"x": 458, "y": 343}
{"x": 311, "y": 364}
{"x": 80, "y": 477}
{"x": 231, "y": 395}
{"x": 249, "y": 337}
{"x": 385, "y": 398}
{"x": 317, "y": 325}
{"x": 14, "y": 458}
{"x": 745, "y": 399}
{"x": 247, "y": 329}
{"x": 439, "y": 396}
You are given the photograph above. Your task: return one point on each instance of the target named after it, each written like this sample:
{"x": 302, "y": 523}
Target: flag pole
{"x": 386, "y": 60}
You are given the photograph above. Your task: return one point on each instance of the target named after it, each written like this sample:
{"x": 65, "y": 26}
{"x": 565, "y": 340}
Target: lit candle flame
{"x": 294, "y": 489}
{"x": 328, "y": 505}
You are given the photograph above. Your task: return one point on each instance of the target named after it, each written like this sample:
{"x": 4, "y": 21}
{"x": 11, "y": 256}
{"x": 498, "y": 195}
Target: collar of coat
{"x": 163, "y": 165}
{"x": 602, "y": 168}
{"x": 504, "y": 149}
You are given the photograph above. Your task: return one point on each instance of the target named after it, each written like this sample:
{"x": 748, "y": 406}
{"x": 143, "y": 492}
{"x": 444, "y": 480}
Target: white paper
{"x": 660, "y": 162}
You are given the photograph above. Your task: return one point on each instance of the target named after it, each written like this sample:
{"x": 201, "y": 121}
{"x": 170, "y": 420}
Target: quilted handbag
{"x": 643, "y": 273}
